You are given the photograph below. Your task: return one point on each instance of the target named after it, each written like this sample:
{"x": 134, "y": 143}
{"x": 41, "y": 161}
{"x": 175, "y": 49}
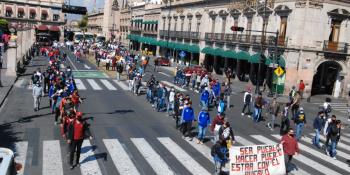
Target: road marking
{"x": 121, "y": 84}
{"x": 185, "y": 159}
{"x": 157, "y": 163}
{"x": 346, "y": 134}
{"x": 108, "y": 85}
{"x": 173, "y": 85}
{"x": 164, "y": 74}
{"x": 301, "y": 158}
{"x": 75, "y": 68}
{"x": 93, "y": 84}
{"x": 52, "y": 161}
{"x": 320, "y": 155}
{"x": 87, "y": 67}
{"x": 79, "y": 84}
{"x": 88, "y": 161}
{"x": 62, "y": 66}
{"x": 21, "y": 155}
{"x": 243, "y": 141}
{"x": 120, "y": 157}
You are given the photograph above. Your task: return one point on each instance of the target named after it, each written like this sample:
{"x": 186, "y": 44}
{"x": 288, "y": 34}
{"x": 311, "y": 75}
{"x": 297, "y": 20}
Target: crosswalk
{"x": 310, "y": 161}
{"x": 340, "y": 107}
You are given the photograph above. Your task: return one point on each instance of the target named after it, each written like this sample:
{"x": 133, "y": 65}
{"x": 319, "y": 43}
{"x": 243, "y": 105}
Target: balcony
{"x": 230, "y": 37}
{"x": 133, "y": 28}
{"x": 209, "y": 36}
{"x": 340, "y": 47}
{"x": 185, "y": 35}
{"x": 153, "y": 32}
{"x": 195, "y": 35}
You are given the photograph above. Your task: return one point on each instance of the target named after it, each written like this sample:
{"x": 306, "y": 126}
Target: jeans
{"x": 37, "y": 100}
{"x": 118, "y": 76}
{"x": 228, "y": 101}
{"x": 257, "y": 114}
{"x": 75, "y": 147}
{"x": 218, "y": 167}
{"x": 201, "y": 132}
{"x": 299, "y": 129}
{"x": 193, "y": 84}
{"x": 149, "y": 94}
{"x": 273, "y": 119}
{"x": 160, "y": 104}
{"x": 316, "y": 140}
{"x": 333, "y": 148}
{"x": 170, "y": 106}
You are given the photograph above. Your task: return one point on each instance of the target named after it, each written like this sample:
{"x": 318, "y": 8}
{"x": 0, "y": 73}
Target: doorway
{"x": 325, "y": 78}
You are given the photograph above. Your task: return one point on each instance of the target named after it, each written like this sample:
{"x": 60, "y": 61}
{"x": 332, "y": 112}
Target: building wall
{"x": 95, "y": 22}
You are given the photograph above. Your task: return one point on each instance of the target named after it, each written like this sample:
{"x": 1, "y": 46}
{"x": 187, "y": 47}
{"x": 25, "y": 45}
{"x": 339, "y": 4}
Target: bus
{"x": 89, "y": 37}
{"x": 78, "y": 37}
{"x": 44, "y": 39}
{"x": 100, "y": 38}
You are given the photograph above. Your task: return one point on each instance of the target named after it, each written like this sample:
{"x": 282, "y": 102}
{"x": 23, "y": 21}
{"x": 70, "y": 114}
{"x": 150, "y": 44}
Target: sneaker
{"x": 190, "y": 138}
{"x": 202, "y": 143}
{"x": 242, "y": 114}
{"x": 249, "y": 116}
{"x": 78, "y": 165}
{"x": 198, "y": 141}
{"x": 71, "y": 167}
{"x": 334, "y": 158}
{"x": 183, "y": 137}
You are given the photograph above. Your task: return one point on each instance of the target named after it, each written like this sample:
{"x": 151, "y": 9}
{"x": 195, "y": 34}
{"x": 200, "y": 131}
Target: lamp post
{"x": 167, "y": 44}
{"x": 263, "y": 37}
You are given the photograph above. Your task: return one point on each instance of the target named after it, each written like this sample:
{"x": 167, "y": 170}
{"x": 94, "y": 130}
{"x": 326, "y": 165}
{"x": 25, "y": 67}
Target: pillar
{"x": 158, "y": 50}
{"x": 201, "y": 58}
{"x": 11, "y": 63}
{"x": 19, "y": 46}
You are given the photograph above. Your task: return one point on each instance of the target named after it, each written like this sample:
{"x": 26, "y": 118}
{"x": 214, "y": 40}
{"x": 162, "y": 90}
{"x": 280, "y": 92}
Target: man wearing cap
{"x": 203, "y": 122}
{"x": 76, "y": 132}
{"x": 300, "y": 122}
{"x": 187, "y": 119}
{"x": 290, "y": 147}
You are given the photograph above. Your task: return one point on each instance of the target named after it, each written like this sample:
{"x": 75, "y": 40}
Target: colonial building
{"x": 95, "y": 22}
{"x": 307, "y": 39}
{"x": 111, "y": 19}
{"x": 43, "y": 15}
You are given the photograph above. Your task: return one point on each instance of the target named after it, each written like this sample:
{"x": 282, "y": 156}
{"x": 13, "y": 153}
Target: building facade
{"x": 43, "y": 15}
{"x": 280, "y": 33}
{"x": 95, "y": 22}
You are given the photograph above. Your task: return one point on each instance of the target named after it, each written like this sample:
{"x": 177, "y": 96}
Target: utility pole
{"x": 263, "y": 38}
{"x": 169, "y": 25}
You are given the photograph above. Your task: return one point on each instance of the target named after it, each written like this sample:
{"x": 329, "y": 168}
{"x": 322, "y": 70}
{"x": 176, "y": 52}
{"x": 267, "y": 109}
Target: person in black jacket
{"x": 318, "y": 125}
{"x": 220, "y": 155}
{"x": 334, "y": 136}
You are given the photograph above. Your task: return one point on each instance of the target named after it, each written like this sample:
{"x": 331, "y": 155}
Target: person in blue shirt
{"x": 318, "y": 125}
{"x": 203, "y": 122}
{"x": 221, "y": 105}
{"x": 187, "y": 119}
{"x": 205, "y": 98}
{"x": 216, "y": 89}
{"x": 219, "y": 152}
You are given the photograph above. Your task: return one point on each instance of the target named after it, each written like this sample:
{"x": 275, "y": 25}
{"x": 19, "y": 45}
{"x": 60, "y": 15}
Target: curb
{"x": 8, "y": 92}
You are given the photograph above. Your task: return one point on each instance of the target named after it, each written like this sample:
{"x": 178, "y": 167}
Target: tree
{"x": 83, "y": 22}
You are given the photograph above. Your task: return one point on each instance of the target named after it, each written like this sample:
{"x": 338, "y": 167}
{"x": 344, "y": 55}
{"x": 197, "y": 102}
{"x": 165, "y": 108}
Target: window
{"x": 55, "y": 17}
{"x": 44, "y": 17}
{"x": 223, "y": 27}
{"x": 20, "y": 13}
{"x": 335, "y": 29}
{"x": 164, "y": 24}
{"x": 283, "y": 29}
{"x": 32, "y": 16}
{"x": 213, "y": 25}
{"x": 8, "y": 13}
{"x": 156, "y": 27}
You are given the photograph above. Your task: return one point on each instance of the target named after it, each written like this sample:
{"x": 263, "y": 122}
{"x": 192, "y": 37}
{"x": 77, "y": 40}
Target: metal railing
{"x": 331, "y": 46}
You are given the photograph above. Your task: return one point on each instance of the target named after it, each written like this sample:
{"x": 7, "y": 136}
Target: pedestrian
{"x": 119, "y": 70}
{"x": 285, "y": 122}
{"x": 221, "y": 105}
{"x": 203, "y": 122}
{"x": 327, "y": 108}
{"x": 295, "y": 103}
{"x": 220, "y": 154}
{"x": 156, "y": 63}
{"x": 247, "y": 98}
{"x": 37, "y": 94}
{"x": 226, "y": 133}
{"x": 218, "y": 121}
{"x": 187, "y": 119}
{"x": 334, "y": 136}
{"x": 301, "y": 88}
{"x": 227, "y": 95}
{"x": 76, "y": 132}
{"x": 327, "y": 126}
{"x": 318, "y": 125}
{"x": 258, "y": 105}
{"x": 292, "y": 94}
{"x": 300, "y": 122}
{"x": 274, "y": 109}
{"x": 290, "y": 148}
{"x": 171, "y": 101}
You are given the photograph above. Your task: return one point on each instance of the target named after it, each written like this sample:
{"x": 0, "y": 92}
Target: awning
{"x": 8, "y": 8}
{"x": 219, "y": 52}
{"x": 281, "y": 61}
{"x": 229, "y": 54}
{"x": 208, "y": 50}
{"x": 32, "y": 11}
{"x": 42, "y": 27}
{"x": 242, "y": 55}
{"x": 44, "y": 12}
{"x": 268, "y": 62}
{"x": 255, "y": 58}
{"x": 193, "y": 48}
{"x": 54, "y": 29}
{"x": 20, "y": 9}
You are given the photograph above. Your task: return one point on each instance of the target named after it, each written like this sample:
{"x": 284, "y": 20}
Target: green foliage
{"x": 83, "y": 22}
{"x": 3, "y": 23}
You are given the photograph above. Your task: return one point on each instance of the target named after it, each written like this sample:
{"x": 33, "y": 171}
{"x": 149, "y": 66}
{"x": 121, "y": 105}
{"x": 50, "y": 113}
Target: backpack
{"x": 292, "y": 93}
{"x": 36, "y": 79}
{"x": 301, "y": 117}
{"x": 248, "y": 97}
{"x": 329, "y": 108}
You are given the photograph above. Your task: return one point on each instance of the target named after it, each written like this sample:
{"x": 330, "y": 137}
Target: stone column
{"x": 157, "y": 50}
{"x": 19, "y": 46}
{"x": 201, "y": 58}
{"x": 11, "y": 62}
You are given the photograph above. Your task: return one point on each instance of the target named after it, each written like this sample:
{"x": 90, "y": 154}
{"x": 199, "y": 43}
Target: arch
{"x": 249, "y": 12}
{"x": 223, "y": 13}
{"x": 261, "y": 11}
{"x": 235, "y": 13}
{"x": 283, "y": 10}
{"x": 189, "y": 15}
{"x": 341, "y": 64}
{"x": 212, "y": 14}
{"x": 340, "y": 14}
{"x": 198, "y": 15}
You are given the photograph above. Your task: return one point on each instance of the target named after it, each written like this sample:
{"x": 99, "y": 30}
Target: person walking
{"x": 218, "y": 121}
{"x": 247, "y": 98}
{"x": 274, "y": 109}
{"x": 205, "y": 97}
{"x": 318, "y": 125}
{"x": 171, "y": 101}
{"x": 300, "y": 122}
{"x": 221, "y": 105}
{"x": 334, "y": 136}
{"x": 219, "y": 152}
{"x": 227, "y": 94}
{"x": 203, "y": 122}
{"x": 37, "y": 94}
{"x": 187, "y": 119}
{"x": 290, "y": 148}
{"x": 327, "y": 108}
{"x": 295, "y": 104}
{"x": 76, "y": 132}
{"x": 326, "y": 131}
{"x": 258, "y": 105}
{"x": 285, "y": 122}
{"x": 226, "y": 133}
{"x": 301, "y": 88}
{"x": 119, "y": 70}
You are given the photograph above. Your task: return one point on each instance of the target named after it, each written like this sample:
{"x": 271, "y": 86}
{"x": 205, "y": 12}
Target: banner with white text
{"x": 257, "y": 160}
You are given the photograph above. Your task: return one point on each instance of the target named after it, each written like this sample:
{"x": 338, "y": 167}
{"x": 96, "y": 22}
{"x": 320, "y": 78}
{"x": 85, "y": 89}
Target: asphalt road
{"x": 130, "y": 137}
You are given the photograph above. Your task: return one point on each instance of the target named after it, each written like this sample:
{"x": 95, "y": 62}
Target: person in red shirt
{"x": 290, "y": 147}
{"x": 218, "y": 121}
{"x": 76, "y": 134}
{"x": 301, "y": 88}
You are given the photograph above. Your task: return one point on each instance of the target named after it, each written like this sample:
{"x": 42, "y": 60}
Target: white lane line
{"x": 88, "y": 162}
{"x": 243, "y": 141}
{"x": 79, "y": 84}
{"x": 201, "y": 148}
{"x": 320, "y": 155}
{"x": 108, "y": 85}
{"x": 75, "y": 68}
{"x": 339, "y": 153}
{"x": 185, "y": 159}
{"x": 164, "y": 74}
{"x": 346, "y": 134}
{"x": 305, "y": 160}
{"x": 93, "y": 84}
{"x": 87, "y": 67}
{"x": 121, "y": 84}
{"x": 173, "y": 85}
{"x": 52, "y": 161}
{"x": 340, "y": 144}
{"x": 62, "y": 66}
{"x": 153, "y": 158}
{"x": 120, "y": 157}
{"x": 21, "y": 155}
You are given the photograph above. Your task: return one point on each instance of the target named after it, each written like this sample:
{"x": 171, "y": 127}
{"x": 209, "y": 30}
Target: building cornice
{"x": 47, "y": 5}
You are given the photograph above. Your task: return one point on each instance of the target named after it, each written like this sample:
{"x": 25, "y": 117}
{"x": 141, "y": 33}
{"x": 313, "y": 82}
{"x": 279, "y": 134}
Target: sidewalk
{"x": 7, "y": 84}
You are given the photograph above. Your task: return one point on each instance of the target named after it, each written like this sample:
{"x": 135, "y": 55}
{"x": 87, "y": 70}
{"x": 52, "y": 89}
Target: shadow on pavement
{"x": 122, "y": 111}
{"x": 92, "y": 157}
{"x": 25, "y": 119}
{"x": 8, "y": 137}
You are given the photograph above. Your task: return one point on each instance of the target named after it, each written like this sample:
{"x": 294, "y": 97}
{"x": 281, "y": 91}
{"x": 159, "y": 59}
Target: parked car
{"x": 198, "y": 69}
{"x": 162, "y": 61}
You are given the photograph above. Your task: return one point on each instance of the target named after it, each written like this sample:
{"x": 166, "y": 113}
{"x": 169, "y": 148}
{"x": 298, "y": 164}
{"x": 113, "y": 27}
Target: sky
{"x": 86, "y": 3}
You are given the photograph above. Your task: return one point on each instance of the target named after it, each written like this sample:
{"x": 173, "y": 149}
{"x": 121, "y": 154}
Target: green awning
{"x": 255, "y": 58}
{"x": 242, "y": 55}
{"x": 268, "y": 62}
{"x": 208, "y": 50}
{"x": 192, "y": 48}
{"x": 162, "y": 43}
{"x": 219, "y": 52}
{"x": 229, "y": 54}
{"x": 281, "y": 61}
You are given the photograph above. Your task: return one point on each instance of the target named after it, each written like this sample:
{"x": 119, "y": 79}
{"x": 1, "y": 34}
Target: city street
{"x": 130, "y": 137}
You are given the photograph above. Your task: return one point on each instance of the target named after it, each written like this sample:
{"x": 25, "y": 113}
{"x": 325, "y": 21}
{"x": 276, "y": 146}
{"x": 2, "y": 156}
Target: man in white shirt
{"x": 171, "y": 100}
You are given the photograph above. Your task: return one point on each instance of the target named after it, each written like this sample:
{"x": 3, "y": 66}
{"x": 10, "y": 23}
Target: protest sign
{"x": 257, "y": 160}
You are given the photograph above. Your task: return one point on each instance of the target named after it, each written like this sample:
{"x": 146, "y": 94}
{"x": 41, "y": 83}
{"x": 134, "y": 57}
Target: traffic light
{"x": 236, "y": 28}
{"x": 74, "y": 9}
